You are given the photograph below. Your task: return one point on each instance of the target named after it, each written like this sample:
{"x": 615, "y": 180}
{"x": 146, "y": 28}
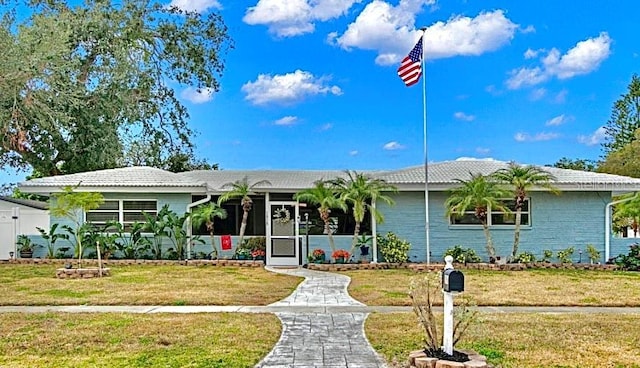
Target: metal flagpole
{"x": 426, "y": 166}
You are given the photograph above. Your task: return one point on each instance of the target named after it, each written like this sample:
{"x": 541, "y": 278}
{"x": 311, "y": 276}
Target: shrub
{"x": 462, "y": 255}
{"x": 525, "y": 257}
{"x": 630, "y": 261}
{"x": 546, "y": 255}
{"x": 594, "y": 254}
{"x": 255, "y": 243}
{"x": 392, "y": 248}
{"x": 564, "y": 256}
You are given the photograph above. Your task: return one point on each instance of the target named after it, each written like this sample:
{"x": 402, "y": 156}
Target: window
{"x": 125, "y": 212}
{"x": 231, "y": 224}
{"x": 344, "y": 222}
{"x": 496, "y": 217}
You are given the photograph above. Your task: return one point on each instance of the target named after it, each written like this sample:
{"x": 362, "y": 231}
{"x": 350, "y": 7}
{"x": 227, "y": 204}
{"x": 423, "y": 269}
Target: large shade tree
{"x": 625, "y": 118}
{"x": 480, "y": 194}
{"x": 361, "y": 192}
{"x": 82, "y": 81}
{"x": 624, "y": 161}
{"x": 521, "y": 179}
{"x": 241, "y": 189}
{"x": 325, "y": 198}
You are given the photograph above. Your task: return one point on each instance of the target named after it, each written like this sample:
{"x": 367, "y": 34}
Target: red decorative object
{"x": 226, "y": 242}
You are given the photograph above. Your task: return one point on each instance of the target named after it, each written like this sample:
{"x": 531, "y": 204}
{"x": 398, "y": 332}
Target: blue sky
{"x": 312, "y": 84}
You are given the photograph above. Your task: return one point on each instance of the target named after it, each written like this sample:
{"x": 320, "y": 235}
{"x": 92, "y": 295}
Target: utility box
{"x": 452, "y": 281}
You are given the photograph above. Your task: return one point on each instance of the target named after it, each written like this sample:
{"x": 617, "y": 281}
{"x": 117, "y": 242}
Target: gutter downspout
{"x": 374, "y": 231}
{"x": 607, "y": 224}
{"x": 189, "y": 230}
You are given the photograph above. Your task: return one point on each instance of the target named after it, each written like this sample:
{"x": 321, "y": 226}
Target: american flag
{"x": 410, "y": 69}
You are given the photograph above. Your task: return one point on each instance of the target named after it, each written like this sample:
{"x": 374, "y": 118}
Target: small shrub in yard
{"x": 525, "y": 257}
{"x": 593, "y": 253}
{"x": 630, "y": 261}
{"x": 392, "y": 248}
{"x": 425, "y": 292}
{"x": 462, "y": 255}
{"x": 564, "y": 256}
{"x": 547, "y": 254}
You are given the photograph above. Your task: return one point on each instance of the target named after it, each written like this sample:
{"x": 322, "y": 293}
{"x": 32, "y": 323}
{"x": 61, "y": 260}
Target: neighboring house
{"x": 576, "y": 217}
{"x": 19, "y": 216}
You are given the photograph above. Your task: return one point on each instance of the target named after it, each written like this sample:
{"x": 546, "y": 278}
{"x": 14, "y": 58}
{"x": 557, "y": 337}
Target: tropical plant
{"x": 241, "y": 189}
{"x": 480, "y": 194}
{"x": 206, "y": 214}
{"x": 522, "y": 179}
{"x": 462, "y": 255}
{"x": 525, "y": 257}
{"x": 392, "y": 248}
{"x": 132, "y": 244}
{"x": 158, "y": 226}
{"x": 593, "y": 253}
{"x": 631, "y": 260}
{"x": 564, "y": 255}
{"x": 51, "y": 237}
{"x": 72, "y": 205}
{"x": 25, "y": 244}
{"x": 425, "y": 292}
{"x": 177, "y": 233}
{"x": 547, "y": 254}
{"x": 325, "y": 198}
{"x": 627, "y": 213}
{"x": 361, "y": 192}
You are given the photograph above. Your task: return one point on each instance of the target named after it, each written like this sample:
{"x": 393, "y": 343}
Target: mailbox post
{"x": 452, "y": 283}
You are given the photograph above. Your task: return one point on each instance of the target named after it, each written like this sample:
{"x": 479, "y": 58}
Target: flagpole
{"x": 426, "y": 158}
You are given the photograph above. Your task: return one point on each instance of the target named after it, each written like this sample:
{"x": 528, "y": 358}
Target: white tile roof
{"x": 141, "y": 176}
{"x": 441, "y": 174}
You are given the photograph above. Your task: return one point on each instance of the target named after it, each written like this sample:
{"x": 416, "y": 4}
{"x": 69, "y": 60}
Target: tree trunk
{"x": 516, "y": 234}
{"x": 356, "y": 232}
{"x": 243, "y": 226}
{"x": 327, "y": 229}
{"x": 490, "y": 249}
{"x": 213, "y": 245}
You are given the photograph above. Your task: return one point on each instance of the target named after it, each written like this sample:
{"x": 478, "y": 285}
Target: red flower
{"x": 340, "y": 253}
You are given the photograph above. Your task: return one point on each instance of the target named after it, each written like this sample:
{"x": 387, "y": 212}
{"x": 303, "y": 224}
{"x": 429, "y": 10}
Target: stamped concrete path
{"x": 321, "y": 339}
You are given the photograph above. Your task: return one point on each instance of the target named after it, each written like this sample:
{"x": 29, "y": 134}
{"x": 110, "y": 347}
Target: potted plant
{"x": 25, "y": 246}
{"x": 364, "y": 242}
{"x": 258, "y": 254}
{"x": 340, "y": 256}
{"x": 317, "y": 256}
{"x": 243, "y": 253}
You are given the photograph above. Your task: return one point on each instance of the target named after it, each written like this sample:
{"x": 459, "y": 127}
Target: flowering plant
{"x": 318, "y": 253}
{"x": 257, "y": 253}
{"x": 340, "y": 253}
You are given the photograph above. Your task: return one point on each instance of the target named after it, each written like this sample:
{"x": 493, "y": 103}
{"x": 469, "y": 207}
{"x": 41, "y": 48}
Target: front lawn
{"x": 524, "y": 340}
{"x": 544, "y": 287}
{"x": 145, "y": 285}
{"x": 108, "y": 340}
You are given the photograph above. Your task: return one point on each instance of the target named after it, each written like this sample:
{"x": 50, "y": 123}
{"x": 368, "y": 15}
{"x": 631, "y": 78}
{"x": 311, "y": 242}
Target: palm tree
{"x": 241, "y": 189}
{"x": 522, "y": 179}
{"x": 361, "y": 191}
{"x": 206, "y": 214}
{"x": 480, "y": 194}
{"x": 325, "y": 198}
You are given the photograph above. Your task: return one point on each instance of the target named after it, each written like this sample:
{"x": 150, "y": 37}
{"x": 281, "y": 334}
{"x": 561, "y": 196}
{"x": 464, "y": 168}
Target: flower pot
{"x": 26, "y": 254}
{"x": 340, "y": 260}
{"x": 364, "y": 251}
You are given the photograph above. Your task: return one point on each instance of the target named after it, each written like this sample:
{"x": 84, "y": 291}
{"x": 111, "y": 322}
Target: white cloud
{"x": 198, "y": 6}
{"x": 326, "y": 127}
{"x": 390, "y": 30}
{"x": 393, "y": 146}
{"x": 287, "y": 88}
{"x": 528, "y": 29}
{"x": 538, "y": 93}
{"x": 585, "y": 57}
{"x": 558, "y": 120}
{"x": 197, "y": 97}
{"x": 288, "y": 18}
{"x": 596, "y": 138}
{"x": 287, "y": 121}
{"x": 561, "y": 97}
{"x": 464, "y": 117}
{"x": 530, "y": 54}
{"x": 353, "y": 153}
{"x": 526, "y": 137}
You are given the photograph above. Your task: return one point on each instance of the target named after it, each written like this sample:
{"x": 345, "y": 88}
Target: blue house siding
{"x": 557, "y": 222}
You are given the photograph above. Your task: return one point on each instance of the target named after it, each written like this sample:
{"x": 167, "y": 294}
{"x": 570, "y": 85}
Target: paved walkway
{"x": 321, "y": 338}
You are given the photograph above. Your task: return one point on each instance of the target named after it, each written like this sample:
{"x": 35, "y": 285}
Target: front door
{"x": 283, "y": 243}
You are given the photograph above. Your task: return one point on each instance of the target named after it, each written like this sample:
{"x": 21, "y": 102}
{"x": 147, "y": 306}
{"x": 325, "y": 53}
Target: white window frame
{"x": 490, "y": 214}
{"x": 121, "y": 211}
